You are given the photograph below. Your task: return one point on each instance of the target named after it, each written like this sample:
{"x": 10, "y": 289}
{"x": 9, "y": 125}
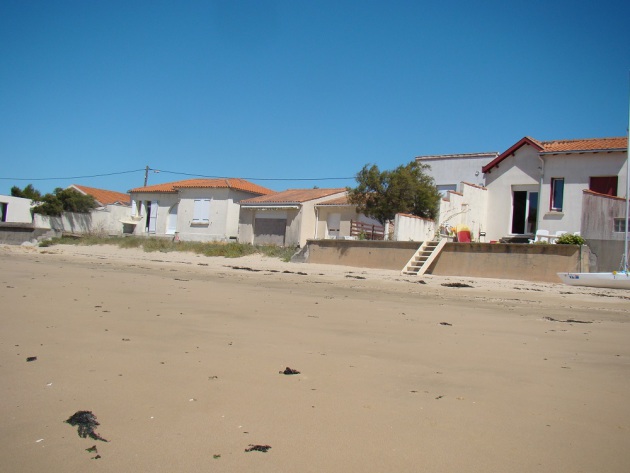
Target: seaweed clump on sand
{"x": 86, "y": 423}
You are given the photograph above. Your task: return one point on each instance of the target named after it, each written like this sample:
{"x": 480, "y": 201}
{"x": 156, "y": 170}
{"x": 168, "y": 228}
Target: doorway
{"x": 524, "y": 212}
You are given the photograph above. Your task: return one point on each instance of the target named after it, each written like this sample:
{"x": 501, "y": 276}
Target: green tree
{"x": 29, "y": 192}
{"x": 65, "y": 200}
{"x": 406, "y": 189}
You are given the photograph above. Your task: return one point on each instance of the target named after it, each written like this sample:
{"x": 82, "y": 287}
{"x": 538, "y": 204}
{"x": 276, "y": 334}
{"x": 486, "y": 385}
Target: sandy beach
{"x": 179, "y": 357}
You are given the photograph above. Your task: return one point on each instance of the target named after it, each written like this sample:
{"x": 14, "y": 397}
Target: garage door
{"x": 269, "y": 231}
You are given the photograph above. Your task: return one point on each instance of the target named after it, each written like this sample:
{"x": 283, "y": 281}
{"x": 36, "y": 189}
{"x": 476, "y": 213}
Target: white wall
{"x": 18, "y": 209}
{"x": 454, "y": 169}
{"x": 165, "y": 202}
{"x": 412, "y": 228}
{"x": 101, "y": 221}
{"x": 576, "y": 169}
{"x": 520, "y": 169}
{"x": 470, "y": 207}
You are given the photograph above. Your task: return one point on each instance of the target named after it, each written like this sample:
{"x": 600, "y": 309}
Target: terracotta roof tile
{"x": 343, "y": 200}
{"x": 562, "y": 146}
{"x": 227, "y": 183}
{"x": 104, "y": 197}
{"x": 293, "y": 196}
{"x": 591, "y": 144}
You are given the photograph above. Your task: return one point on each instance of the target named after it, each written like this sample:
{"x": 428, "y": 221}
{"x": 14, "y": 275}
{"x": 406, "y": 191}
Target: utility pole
{"x": 146, "y": 176}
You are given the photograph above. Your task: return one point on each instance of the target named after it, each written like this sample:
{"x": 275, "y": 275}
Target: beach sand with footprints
{"x": 188, "y": 363}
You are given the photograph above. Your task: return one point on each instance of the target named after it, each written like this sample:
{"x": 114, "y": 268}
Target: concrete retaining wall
{"x": 19, "y": 233}
{"x": 361, "y": 253}
{"x": 510, "y": 261}
{"x": 502, "y": 261}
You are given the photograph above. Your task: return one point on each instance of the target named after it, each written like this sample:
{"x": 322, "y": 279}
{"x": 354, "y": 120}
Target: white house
{"x": 538, "y": 184}
{"x": 450, "y": 170}
{"x": 15, "y": 209}
{"x": 287, "y": 218}
{"x": 191, "y": 210}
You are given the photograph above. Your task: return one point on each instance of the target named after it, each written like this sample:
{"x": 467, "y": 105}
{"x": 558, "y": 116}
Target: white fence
{"x": 411, "y": 228}
{"x": 102, "y": 221}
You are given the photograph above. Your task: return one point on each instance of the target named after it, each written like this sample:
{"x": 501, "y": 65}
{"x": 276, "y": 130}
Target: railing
{"x": 366, "y": 231}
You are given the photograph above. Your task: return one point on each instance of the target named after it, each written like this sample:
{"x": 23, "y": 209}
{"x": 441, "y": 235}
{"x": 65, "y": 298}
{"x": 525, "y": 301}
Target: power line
{"x": 257, "y": 178}
{"x": 66, "y": 178}
{"x": 175, "y": 173}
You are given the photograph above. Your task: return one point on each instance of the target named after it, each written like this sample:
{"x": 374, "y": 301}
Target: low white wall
{"x": 105, "y": 221}
{"x": 412, "y": 228}
{"x": 467, "y": 208}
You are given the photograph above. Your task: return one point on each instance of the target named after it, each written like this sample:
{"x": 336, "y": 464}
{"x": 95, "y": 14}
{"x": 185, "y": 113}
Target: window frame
{"x": 553, "y": 204}
{"x": 201, "y": 211}
{"x": 619, "y": 225}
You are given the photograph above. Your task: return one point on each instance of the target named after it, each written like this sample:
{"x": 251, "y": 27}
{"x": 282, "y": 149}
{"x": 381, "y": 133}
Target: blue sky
{"x": 278, "y": 91}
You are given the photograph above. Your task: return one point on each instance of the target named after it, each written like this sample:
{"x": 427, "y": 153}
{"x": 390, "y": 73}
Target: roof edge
{"x": 511, "y": 150}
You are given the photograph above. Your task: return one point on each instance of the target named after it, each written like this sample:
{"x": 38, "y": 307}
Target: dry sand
{"x": 178, "y": 356}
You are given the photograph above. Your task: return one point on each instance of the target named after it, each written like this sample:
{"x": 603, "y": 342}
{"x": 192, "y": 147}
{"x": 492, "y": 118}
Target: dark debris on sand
{"x": 86, "y": 423}
{"x": 455, "y": 284}
{"x": 288, "y": 370}
{"x": 258, "y": 448}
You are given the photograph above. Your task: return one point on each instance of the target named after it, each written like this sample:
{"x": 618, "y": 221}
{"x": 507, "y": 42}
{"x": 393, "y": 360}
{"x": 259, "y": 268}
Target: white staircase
{"x": 422, "y": 259}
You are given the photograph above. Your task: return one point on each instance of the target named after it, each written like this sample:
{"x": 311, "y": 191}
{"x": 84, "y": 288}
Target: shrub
{"x": 570, "y": 239}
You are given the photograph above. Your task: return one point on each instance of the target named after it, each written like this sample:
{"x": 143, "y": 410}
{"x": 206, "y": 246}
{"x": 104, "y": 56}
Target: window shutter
{"x": 201, "y": 211}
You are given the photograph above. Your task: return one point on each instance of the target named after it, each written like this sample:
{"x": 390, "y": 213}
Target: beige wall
{"x": 361, "y": 254}
{"x": 503, "y": 261}
{"x": 247, "y": 220}
{"x": 510, "y": 261}
{"x": 347, "y": 213}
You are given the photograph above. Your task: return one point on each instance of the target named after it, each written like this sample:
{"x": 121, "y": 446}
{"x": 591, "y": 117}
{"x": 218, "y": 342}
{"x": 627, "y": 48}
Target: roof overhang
{"x": 584, "y": 151}
{"x": 269, "y": 206}
{"x": 510, "y": 151}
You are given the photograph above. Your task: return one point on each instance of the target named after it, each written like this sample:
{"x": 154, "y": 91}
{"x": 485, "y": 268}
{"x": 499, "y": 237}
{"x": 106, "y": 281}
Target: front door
{"x": 333, "y": 222}
{"x": 171, "y": 226}
{"x": 152, "y": 210}
{"x": 524, "y": 212}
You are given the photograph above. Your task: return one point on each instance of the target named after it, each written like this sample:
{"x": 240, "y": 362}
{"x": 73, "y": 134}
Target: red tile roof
{"x": 341, "y": 201}
{"x": 293, "y": 196}
{"x": 562, "y": 146}
{"x": 104, "y": 197}
{"x": 223, "y": 183}
{"x": 592, "y": 144}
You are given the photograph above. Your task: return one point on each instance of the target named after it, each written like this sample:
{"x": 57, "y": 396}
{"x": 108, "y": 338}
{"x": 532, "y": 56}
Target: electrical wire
{"x": 256, "y": 178}
{"x": 175, "y": 173}
{"x": 67, "y": 178}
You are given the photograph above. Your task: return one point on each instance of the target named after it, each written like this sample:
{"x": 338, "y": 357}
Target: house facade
{"x": 450, "y": 170}
{"x": 334, "y": 218}
{"x": 287, "y": 218}
{"x": 538, "y": 184}
{"x": 191, "y": 210}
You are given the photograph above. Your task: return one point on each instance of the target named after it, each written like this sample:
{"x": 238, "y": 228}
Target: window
{"x": 445, "y": 188}
{"x": 604, "y": 185}
{"x": 619, "y": 225}
{"x": 557, "y": 193}
{"x": 201, "y": 212}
